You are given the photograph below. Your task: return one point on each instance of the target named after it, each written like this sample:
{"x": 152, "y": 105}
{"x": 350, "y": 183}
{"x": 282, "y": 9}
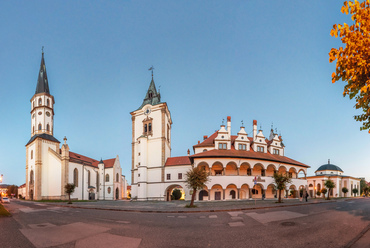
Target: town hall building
{"x": 49, "y": 166}
{"x": 239, "y": 166}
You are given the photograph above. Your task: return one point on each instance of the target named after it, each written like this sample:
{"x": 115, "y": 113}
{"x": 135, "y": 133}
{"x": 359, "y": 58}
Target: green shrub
{"x": 176, "y": 193}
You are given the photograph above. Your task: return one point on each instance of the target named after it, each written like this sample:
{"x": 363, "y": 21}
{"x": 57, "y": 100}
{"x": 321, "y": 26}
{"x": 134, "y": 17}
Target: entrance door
{"x": 31, "y": 195}
{"x": 232, "y": 193}
{"x": 117, "y": 193}
{"x": 217, "y": 195}
{"x": 202, "y": 193}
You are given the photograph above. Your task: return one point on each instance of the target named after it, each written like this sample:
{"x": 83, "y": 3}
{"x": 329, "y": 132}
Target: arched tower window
{"x": 107, "y": 178}
{"x": 33, "y": 129}
{"x": 75, "y": 177}
{"x": 31, "y": 154}
{"x": 117, "y": 177}
{"x": 33, "y": 104}
{"x": 147, "y": 126}
{"x": 88, "y": 178}
{"x": 150, "y": 94}
{"x": 40, "y": 127}
{"x": 48, "y": 102}
{"x": 48, "y": 127}
{"x": 40, "y": 101}
{"x": 31, "y": 177}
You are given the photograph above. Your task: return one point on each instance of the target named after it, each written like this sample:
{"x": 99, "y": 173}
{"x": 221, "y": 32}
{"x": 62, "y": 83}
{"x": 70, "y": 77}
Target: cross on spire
{"x": 151, "y": 69}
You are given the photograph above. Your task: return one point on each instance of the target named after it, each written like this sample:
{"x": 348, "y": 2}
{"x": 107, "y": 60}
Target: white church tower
{"x": 151, "y": 146}
{"x": 38, "y": 177}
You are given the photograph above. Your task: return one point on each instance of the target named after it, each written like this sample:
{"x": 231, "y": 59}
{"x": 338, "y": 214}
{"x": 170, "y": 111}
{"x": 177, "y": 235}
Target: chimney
{"x": 205, "y": 137}
{"x": 198, "y": 142}
{"x": 188, "y": 152}
{"x": 229, "y": 125}
{"x": 254, "y": 129}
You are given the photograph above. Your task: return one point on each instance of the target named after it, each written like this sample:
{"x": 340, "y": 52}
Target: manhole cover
{"x": 288, "y": 223}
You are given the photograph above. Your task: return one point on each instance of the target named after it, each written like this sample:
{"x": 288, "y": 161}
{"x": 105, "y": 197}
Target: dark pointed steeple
{"x": 42, "y": 81}
{"x": 152, "y": 96}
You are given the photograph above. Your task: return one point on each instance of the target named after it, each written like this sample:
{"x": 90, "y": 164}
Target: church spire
{"x": 42, "y": 81}
{"x": 152, "y": 97}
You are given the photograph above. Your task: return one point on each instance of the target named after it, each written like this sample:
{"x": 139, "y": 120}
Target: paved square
{"x": 108, "y": 240}
{"x": 235, "y": 224}
{"x": 274, "y": 216}
{"x": 58, "y": 235}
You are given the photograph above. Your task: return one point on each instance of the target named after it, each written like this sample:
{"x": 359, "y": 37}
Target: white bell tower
{"x": 151, "y": 146}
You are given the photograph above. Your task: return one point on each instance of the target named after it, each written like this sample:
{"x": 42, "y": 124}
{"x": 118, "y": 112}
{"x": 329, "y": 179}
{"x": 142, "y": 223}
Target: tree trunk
{"x": 69, "y": 198}
{"x": 279, "y": 196}
{"x": 328, "y": 198}
{"x": 193, "y": 198}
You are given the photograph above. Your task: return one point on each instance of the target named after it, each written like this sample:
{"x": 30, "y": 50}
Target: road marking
{"x": 235, "y": 224}
{"x": 274, "y": 216}
{"x": 212, "y": 216}
{"x": 234, "y": 214}
{"x": 202, "y": 217}
{"x": 124, "y": 221}
{"x": 182, "y": 217}
{"x": 170, "y": 216}
{"x": 237, "y": 218}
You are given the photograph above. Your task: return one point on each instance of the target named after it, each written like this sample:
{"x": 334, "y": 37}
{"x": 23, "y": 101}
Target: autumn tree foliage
{"x": 196, "y": 178}
{"x": 353, "y": 60}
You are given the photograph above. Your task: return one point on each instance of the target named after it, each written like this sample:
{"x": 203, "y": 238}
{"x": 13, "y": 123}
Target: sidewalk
{"x": 179, "y": 206}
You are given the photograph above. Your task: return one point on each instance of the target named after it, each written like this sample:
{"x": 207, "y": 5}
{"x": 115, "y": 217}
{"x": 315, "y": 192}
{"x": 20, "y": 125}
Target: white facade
{"x": 334, "y": 173}
{"x": 232, "y": 161}
{"x": 50, "y": 167}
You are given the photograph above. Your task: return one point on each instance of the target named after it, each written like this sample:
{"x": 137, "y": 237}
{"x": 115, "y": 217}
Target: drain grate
{"x": 289, "y": 223}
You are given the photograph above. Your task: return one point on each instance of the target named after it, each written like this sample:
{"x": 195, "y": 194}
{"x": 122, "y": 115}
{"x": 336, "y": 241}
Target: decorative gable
{"x": 242, "y": 142}
{"x": 259, "y": 143}
{"x": 223, "y": 139}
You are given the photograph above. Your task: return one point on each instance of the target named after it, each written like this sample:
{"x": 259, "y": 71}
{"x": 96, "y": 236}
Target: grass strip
{"x": 4, "y": 212}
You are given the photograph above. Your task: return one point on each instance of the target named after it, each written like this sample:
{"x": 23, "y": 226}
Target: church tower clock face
{"x": 147, "y": 111}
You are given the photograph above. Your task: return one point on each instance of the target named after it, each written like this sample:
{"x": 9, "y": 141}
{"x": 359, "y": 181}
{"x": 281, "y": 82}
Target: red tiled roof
{"x": 129, "y": 187}
{"x": 184, "y": 160}
{"x": 208, "y": 142}
{"x": 247, "y": 154}
{"x": 80, "y": 159}
{"x": 22, "y": 186}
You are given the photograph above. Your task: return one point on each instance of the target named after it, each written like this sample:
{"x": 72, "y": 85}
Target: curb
{"x": 194, "y": 211}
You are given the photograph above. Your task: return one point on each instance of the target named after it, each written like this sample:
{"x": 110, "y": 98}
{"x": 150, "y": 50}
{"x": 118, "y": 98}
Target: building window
{"x": 204, "y": 150}
{"x": 147, "y": 126}
{"x": 33, "y": 129}
{"x": 168, "y": 133}
{"x": 117, "y": 177}
{"x": 40, "y": 127}
{"x": 138, "y": 175}
{"x": 40, "y": 101}
{"x": 263, "y": 173}
{"x": 47, "y": 127}
{"x": 107, "y": 178}
{"x": 31, "y": 177}
{"x": 290, "y": 174}
{"x": 75, "y": 177}
{"x": 222, "y": 146}
{"x": 260, "y": 149}
{"x": 242, "y": 147}
{"x": 168, "y": 176}
{"x": 88, "y": 178}
{"x": 97, "y": 182}
{"x": 276, "y": 151}
{"x": 31, "y": 154}
{"x": 47, "y": 102}
{"x": 179, "y": 176}
{"x": 218, "y": 172}
{"x": 249, "y": 172}
{"x": 109, "y": 190}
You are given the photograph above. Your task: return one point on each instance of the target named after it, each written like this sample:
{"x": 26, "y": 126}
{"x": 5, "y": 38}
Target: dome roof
{"x": 331, "y": 167}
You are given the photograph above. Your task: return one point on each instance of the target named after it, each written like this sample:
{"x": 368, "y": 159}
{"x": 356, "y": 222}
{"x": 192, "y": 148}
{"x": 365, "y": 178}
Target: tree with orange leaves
{"x": 353, "y": 61}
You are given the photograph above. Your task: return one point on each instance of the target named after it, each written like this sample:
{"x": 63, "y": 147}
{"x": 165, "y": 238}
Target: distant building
{"x": 334, "y": 173}
{"x": 22, "y": 190}
{"x": 234, "y": 162}
{"x": 50, "y": 167}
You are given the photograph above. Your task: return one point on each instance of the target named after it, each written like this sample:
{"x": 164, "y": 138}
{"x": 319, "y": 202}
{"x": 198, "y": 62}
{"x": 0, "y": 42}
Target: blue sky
{"x": 263, "y": 60}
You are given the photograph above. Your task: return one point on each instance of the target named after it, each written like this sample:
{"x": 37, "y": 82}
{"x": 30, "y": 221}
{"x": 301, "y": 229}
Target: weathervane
{"x": 223, "y": 120}
{"x": 151, "y": 69}
{"x": 42, "y": 49}
{"x": 242, "y": 123}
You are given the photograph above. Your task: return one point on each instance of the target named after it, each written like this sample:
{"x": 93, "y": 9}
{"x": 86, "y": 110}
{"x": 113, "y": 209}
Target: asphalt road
{"x": 334, "y": 224}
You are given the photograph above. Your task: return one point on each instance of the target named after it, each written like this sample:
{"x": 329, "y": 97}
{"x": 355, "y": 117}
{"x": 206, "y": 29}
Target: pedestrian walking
{"x": 306, "y": 196}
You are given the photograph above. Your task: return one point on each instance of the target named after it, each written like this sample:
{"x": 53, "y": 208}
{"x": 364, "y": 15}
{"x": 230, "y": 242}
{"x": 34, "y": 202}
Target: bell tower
{"x": 42, "y": 142}
{"x": 42, "y": 105}
{"x": 151, "y": 145}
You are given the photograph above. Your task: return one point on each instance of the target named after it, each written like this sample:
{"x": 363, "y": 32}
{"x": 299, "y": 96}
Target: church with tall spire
{"x": 50, "y": 166}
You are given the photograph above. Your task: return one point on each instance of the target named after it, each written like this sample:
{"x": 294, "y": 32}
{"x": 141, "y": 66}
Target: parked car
{"x": 5, "y": 199}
